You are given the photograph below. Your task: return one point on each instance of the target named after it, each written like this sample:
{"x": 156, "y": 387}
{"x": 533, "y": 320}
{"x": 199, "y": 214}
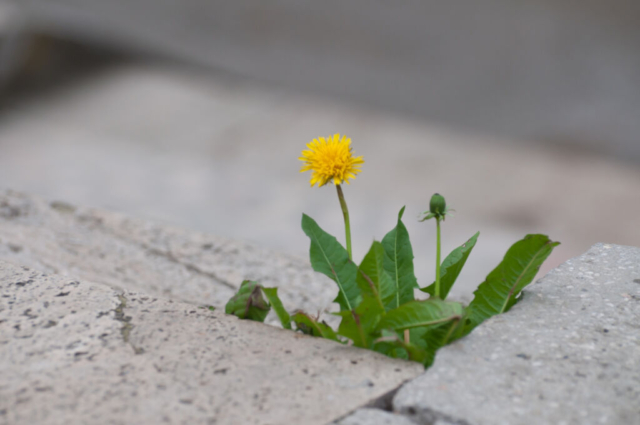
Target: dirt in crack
{"x": 428, "y": 416}
{"x": 127, "y": 326}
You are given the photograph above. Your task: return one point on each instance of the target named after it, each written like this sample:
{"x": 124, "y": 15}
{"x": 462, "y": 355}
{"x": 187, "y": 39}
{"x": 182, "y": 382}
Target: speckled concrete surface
{"x": 122, "y": 302}
{"x": 160, "y": 260}
{"x": 78, "y": 352}
{"x": 569, "y": 353}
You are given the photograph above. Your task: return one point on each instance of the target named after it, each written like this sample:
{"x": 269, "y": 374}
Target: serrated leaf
{"x": 276, "y": 304}
{"x": 421, "y": 313}
{"x": 451, "y": 268}
{"x": 248, "y": 303}
{"x": 310, "y": 326}
{"x": 500, "y": 289}
{"x": 372, "y": 279}
{"x": 331, "y": 259}
{"x": 360, "y": 325}
{"x": 398, "y": 262}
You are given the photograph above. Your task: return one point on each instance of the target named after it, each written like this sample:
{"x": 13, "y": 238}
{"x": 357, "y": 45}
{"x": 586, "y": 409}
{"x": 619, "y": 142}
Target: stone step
{"x": 80, "y": 352}
{"x": 103, "y": 319}
{"x": 157, "y": 259}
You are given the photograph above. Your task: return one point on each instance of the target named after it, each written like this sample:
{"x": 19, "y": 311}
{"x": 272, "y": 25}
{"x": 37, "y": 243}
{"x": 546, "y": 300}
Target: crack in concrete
{"x": 385, "y": 401}
{"x": 168, "y": 255}
{"x": 127, "y": 326}
{"x": 423, "y": 416}
{"x": 189, "y": 266}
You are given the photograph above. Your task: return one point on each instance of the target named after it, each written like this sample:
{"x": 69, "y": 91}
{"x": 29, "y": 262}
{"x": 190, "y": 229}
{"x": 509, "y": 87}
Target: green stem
{"x": 356, "y": 318}
{"x": 453, "y": 327}
{"x": 347, "y": 224}
{"x": 438, "y": 258}
{"x": 375, "y": 291}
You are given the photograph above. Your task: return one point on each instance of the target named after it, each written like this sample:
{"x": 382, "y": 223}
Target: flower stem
{"x": 347, "y": 224}
{"x": 356, "y": 318}
{"x": 438, "y": 258}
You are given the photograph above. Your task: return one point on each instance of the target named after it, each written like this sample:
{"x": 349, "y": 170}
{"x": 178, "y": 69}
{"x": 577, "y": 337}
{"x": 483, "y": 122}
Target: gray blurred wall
{"x": 557, "y": 71}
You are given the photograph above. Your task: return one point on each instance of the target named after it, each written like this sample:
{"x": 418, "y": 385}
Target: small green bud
{"x": 437, "y": 205}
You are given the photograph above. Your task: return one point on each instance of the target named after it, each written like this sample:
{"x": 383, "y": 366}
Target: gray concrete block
{"x": 159, "y": 260}
{"x": 80, "y": 352}
{"x": 568, "y": 353}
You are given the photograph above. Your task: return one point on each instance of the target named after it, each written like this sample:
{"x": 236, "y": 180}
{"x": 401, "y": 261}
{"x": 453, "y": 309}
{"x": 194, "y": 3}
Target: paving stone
{"x": 374, "y": 417}
{"x": 79, "y": 352}
{"x": 157, "y": 259}
{"x": 568, "y": 353}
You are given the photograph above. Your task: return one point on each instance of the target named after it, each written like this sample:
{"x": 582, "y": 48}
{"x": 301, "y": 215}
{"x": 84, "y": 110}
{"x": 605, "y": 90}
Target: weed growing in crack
{"x": 376, "y": 297}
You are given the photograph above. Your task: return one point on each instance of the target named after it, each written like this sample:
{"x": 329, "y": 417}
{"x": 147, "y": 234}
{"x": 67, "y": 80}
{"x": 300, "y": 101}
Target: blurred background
{"x": 524, "y": 114}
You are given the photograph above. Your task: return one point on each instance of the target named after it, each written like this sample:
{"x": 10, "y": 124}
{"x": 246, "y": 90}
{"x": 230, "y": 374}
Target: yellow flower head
{"x": 330, "y": 159}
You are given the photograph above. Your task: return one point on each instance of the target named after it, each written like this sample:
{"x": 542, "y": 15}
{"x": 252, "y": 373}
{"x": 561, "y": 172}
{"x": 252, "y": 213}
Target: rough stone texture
{"x": 374, "y": 417}
{"x": 109, "y": 333}
{"x": 156, "y": 259}
{"x": 569, "y": 353}
{"x": 78, "y": 352}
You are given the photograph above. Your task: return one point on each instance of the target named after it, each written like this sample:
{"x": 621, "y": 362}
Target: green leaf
{"x": 372, "y": 279}
{"x": 398, "y": 262}
{"x": 248, "y": 302}
{"x": 310, "y": 326}
{"x": 437, "y": 336}
{"x": 500, "y": 289}
{"x": 274, "y": 300}
{"x": 331, "y": 259}
{"x": 451, "y": 267}
{"x": 360, "y": 325}
{"x": 421, "y": 313}
{"x": 412, "y": 351}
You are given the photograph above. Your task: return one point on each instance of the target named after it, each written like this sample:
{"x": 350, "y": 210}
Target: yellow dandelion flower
{"x": 330, "y": 159}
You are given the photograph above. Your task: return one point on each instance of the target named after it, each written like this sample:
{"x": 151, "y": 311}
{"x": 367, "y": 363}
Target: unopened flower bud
{"x": 437, "y": 205}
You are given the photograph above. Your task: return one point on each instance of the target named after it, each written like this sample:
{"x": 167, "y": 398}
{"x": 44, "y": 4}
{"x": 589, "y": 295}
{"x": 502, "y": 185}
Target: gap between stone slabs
{"x": 81, "y": 352}
{"x": 568, "y": 353}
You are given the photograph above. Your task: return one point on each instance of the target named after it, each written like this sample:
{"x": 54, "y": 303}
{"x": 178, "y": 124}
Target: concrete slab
{"x": 569, "y": 353}
{"x": 114, "y": 330}
{"x": 159, "y": 260}
{"x": 80, "y": 352}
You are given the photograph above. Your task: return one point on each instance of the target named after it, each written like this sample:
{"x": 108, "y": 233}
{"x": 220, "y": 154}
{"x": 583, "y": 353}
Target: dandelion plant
{"x": 378, "y": 309}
